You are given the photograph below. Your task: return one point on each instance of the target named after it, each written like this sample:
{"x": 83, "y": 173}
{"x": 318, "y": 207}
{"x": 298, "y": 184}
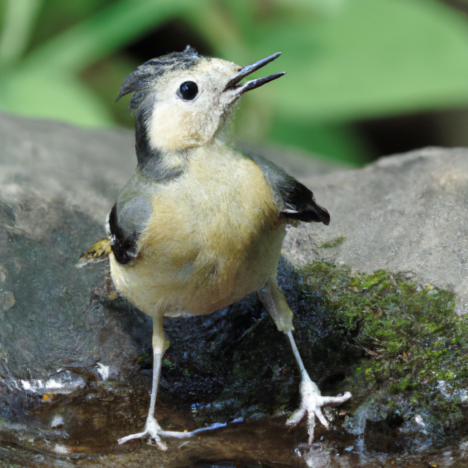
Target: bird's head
{"x": 184, "y": 99}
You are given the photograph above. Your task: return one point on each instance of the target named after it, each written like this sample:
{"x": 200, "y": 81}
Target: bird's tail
{"x": 97, "y": 253}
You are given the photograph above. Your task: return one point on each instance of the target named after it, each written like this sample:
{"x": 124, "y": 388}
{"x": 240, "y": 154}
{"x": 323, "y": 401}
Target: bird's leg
{"x": 153, "y": 430}
{"x": 312, "y": 401}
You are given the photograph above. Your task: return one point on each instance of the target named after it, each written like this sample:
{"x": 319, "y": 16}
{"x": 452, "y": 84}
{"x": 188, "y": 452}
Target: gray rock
{"x": 56, "y": 184}
{"x": 74, "y": 375}
{"x": 406, "y": 213}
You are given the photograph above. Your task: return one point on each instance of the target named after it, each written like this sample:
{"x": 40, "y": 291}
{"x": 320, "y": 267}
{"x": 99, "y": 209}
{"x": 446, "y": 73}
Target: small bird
{"x": 200, "y": 223}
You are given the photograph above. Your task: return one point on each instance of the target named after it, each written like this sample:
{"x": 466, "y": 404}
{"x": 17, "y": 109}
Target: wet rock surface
{"x": 75, "y": 362}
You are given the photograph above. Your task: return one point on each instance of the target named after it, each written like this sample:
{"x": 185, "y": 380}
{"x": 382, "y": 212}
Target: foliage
{"x": 346, "y": 60}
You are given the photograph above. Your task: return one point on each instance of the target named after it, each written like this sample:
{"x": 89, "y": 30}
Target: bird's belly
{"x": 199, "y": 277}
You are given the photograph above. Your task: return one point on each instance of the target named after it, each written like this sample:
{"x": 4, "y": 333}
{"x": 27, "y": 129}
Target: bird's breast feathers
{"x": 214, "y": 235}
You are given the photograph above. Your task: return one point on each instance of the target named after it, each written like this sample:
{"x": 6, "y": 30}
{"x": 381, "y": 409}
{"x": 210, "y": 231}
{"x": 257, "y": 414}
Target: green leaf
{"x": 18, "y": 21}
{"x": 104, "y": 33}
{"x": 372, "y": 58}
{"x": 335, "y": 142}
{"x": 52, "y": 96}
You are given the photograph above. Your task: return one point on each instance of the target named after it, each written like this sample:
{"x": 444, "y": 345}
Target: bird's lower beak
{"x": 249, "y": 69}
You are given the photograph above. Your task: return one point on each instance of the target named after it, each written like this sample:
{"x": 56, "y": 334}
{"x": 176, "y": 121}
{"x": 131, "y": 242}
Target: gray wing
{"x": 298, "y": 202}
{"x": 125, "y": 223}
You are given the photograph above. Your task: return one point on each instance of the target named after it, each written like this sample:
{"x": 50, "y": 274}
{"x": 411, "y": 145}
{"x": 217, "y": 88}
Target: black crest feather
{"x": 138, "y": 81}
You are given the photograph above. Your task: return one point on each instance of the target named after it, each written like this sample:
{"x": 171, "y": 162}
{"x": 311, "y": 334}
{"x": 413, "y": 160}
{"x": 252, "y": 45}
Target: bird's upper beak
{"x": 249, "y": 69}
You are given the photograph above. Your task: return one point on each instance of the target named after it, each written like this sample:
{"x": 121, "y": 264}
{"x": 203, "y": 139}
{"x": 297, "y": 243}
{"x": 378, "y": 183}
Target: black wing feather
{"x": 127, "y": 219}
{"x": 298, "y": 201}
{"x": 124, "y": 247}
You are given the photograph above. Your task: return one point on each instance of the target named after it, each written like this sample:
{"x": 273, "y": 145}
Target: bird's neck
{"x": 159, "y": 164}
{"x": 154, "y": 163}
{"x": 143, "y": 150}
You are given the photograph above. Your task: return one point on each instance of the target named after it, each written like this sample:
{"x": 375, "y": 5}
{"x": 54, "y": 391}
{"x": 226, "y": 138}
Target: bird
{"x": 200, "y": 224}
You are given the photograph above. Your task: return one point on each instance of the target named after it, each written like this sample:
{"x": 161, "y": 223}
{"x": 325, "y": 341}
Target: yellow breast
{"x": 214, "y": 236}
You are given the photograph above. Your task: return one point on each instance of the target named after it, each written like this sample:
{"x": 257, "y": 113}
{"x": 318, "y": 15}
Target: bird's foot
{"x": 153, "y": 433}
{"x": 312, "y": 403}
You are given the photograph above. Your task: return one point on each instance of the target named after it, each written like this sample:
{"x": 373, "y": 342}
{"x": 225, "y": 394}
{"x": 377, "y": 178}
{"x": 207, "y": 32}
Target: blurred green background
{"x": 364, "y": 77}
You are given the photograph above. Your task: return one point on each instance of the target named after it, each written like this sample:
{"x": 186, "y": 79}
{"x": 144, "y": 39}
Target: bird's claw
{"x": 312, "y": 403}
{"x": 152, "y": 432}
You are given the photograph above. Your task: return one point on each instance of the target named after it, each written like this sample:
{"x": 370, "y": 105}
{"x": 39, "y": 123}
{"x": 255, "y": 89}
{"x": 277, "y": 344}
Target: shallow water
{"x": 81, "y": 429}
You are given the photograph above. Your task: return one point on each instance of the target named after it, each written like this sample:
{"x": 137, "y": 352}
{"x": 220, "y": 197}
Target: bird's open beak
{"x": 249, "y": 69}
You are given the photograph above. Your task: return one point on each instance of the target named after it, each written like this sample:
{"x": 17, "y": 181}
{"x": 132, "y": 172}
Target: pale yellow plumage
{"x": 214, "y": 236}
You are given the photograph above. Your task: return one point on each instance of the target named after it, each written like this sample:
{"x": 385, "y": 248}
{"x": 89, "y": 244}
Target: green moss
{"x": 334, "y": 243}
{"x": 168, "y": 363}
{"x": 409, "y": 335}
{"x": 143, "y": 357}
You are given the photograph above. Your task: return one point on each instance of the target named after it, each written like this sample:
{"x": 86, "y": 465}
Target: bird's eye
{"x": 188, "y": 90}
